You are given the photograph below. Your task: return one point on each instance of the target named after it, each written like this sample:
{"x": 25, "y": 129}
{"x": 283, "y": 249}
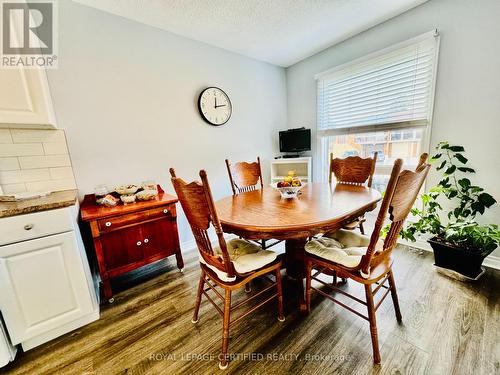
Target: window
{"x": 379, "y": 103}
{"x": 389, "y": 145}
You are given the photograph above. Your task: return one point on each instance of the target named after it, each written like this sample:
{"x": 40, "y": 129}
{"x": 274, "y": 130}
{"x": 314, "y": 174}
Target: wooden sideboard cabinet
{"x": 130, "y": 236}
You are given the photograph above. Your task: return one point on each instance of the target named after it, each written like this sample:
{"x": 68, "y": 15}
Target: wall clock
{"x": 214, "y": 106}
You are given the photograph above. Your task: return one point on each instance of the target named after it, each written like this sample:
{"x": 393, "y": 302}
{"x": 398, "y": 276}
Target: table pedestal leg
{"x": 295, "y": 266}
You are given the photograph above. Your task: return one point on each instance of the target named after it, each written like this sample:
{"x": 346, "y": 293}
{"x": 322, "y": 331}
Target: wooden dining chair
{"x": 230, "y": 265}
{"x": 353, "y": 170}
{"x": 245, "y": 177}
{"x": 367, "y": 260}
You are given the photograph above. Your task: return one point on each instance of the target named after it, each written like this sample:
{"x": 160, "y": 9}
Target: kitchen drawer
{"x": 116, "y": 222}
{"x": 162, "y": 212}
{"x": 112, "y": 223}
{"x": 39, "y": 224}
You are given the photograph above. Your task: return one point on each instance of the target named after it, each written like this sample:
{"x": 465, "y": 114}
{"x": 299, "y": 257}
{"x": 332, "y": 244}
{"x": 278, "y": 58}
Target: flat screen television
{"x": 295, "y": 140}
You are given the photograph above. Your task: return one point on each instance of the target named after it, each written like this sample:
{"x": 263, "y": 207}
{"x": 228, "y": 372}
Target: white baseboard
{"x": 188, "y": 245}
{"x": 490, "y": 261}
{"x": 422, "y": 245}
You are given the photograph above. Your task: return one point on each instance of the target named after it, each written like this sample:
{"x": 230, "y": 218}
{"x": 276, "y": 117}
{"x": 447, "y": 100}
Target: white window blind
{"x": 388, "y": 89}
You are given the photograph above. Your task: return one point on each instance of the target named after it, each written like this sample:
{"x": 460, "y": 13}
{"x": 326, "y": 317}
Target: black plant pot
{"x": 464, "y": 261}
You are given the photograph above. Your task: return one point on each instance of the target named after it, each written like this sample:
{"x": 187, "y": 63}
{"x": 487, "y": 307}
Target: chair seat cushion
{"x": 246, "y": 257}
{"x": 343, "y": 247}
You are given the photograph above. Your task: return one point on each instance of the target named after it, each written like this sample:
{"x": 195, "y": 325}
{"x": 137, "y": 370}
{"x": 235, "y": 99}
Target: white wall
{"x": 126, "y": 95}
{"x": 467, "y": 103}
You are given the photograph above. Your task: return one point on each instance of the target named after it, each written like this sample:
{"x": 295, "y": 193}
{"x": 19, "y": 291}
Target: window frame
{"x": 322, "y": 136}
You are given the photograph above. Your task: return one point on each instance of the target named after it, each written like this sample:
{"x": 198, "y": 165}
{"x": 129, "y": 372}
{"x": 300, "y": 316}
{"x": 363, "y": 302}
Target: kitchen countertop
{"x": 54, "y": 200}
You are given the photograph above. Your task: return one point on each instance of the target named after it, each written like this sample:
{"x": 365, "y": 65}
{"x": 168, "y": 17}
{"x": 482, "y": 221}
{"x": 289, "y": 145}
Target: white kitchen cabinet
{"x": 25, "y": 100}
{"x": 43, "y": 285}
{"x": 46, "y": 288}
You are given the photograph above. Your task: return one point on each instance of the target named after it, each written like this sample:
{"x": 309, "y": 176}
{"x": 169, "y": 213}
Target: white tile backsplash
{"x": 51, "y": 185}
{"x": 20, "y": 149}
{"x": 55, "y": 148}
{"x": 34, "y": 160}
{"x": 27, "y": 175}
{"x": 61, "y": 173}
{"x": 5, "y": 136}
{"x": 45, "y": 161}
{"x": 9, "y": 164}
{"x": 37, "y": 136}
{"x": 13, "y": 188}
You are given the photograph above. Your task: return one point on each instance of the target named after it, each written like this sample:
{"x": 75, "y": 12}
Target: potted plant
{"x": 459, "y": 242}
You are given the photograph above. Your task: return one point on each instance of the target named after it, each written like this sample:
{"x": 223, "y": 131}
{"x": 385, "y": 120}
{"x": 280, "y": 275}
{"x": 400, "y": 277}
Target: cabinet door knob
{"x": 146, "y": 240}
{"x": 108, "y": 223}
{"x": 139, "y": 243}
{"x": 28, "y": 227}
{"x": 165, "y": 211}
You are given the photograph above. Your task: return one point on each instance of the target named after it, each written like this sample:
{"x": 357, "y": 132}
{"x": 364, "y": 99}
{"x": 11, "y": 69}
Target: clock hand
{"x": 215, "y": 102}
{"x": 222, "y": 105}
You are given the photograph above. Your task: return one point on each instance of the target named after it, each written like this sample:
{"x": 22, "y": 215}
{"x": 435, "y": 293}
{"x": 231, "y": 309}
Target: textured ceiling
{"x": 281, "y": 32}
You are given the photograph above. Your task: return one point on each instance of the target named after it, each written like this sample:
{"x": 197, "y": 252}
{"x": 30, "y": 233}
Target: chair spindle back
{"x": 198, "y": 205}
{"x": 400, "y": 195}
{"x": 353, "y": 170}
{"x": 244, "y": 176}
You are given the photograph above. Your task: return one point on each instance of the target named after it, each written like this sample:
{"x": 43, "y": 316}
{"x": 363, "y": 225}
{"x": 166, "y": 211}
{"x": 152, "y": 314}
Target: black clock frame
{"x": 201, "y": 112}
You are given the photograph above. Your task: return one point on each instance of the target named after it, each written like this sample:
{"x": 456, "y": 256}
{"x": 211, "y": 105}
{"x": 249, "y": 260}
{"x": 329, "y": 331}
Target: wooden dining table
{"x": 320, "y": 207}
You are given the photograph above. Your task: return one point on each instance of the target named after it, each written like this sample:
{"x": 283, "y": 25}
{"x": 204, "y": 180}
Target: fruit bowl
{"x": 288, "y": 192}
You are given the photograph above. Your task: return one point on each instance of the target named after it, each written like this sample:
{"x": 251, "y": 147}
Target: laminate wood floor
{"x": 449, "y": 327}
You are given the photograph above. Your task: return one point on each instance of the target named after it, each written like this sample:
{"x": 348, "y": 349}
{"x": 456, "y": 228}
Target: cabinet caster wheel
{"x": 181, "y": 270}
{"x": 281, "y": 319}
{"x": 223, "y": 367}
{"x": 195, "y": 321}
{"x": 111, "y": 300}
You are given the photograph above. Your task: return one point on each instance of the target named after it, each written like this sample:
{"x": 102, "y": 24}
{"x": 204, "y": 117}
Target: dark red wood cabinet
{"x": 127, "y": 237}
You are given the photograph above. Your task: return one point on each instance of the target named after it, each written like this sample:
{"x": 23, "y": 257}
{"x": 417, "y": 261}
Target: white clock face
{"x": 215, "y": 106}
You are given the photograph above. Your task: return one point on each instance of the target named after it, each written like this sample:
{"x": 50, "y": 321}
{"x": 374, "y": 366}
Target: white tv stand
{"x": 302, "y": 167}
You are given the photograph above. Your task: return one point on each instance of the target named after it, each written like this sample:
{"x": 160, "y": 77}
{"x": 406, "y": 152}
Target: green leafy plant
{"x": 465, "y": 202}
